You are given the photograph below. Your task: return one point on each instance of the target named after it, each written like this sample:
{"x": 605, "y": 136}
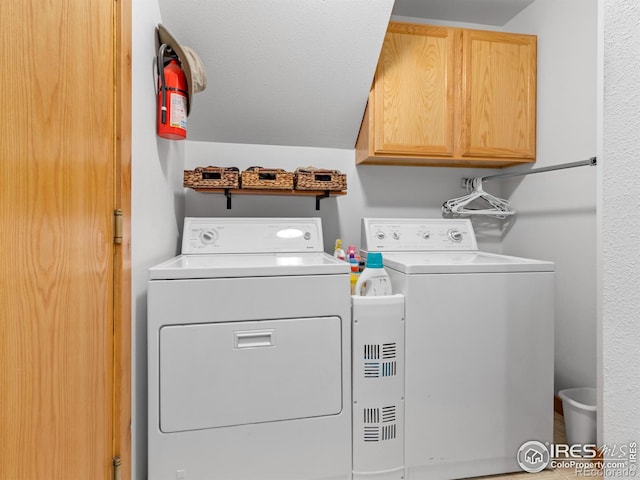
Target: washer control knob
{"x": 380, "y": 235}
{"x": 307, "y": 235}
{"x": 426, "y": 235}
{"x": 208, "y": 236}
{"x": 455, "y": 235}
{"x": 396, "y": 236}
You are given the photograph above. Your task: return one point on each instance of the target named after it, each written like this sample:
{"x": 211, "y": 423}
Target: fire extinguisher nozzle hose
{"x": 160, "y": 67}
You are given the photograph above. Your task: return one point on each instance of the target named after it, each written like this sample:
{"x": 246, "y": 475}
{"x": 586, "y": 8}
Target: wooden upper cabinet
{"x": 451, "y": 97}
{"x": 412, "y": 100}
{"x": 499, "y": 95}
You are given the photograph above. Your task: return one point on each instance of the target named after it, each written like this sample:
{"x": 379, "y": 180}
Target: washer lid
{"x": 248, "y": 265}
{"x": 461, "y": 262}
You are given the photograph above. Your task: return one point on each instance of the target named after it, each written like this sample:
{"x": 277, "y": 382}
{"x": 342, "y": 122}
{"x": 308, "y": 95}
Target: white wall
{"x": 373, "y": 191}
{"x": 620, "y": 229}
{"x": 157, "y": 202}
{"x": 556, "y": 217}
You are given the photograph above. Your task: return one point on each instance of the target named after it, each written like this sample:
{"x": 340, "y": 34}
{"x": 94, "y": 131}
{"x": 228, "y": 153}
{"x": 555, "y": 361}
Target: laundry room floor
{"x": 551, "y": 474}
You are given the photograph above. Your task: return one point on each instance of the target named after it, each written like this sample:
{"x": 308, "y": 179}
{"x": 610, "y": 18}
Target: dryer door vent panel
{"x": 236, "y": 373}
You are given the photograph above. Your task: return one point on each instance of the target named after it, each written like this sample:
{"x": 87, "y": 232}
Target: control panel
{"x": 414, "y": 234}
{"x": 251, "y": 235}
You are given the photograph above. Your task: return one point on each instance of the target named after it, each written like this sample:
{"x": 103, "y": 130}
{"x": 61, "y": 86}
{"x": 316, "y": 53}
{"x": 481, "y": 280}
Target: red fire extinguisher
{"x": 172, "y": 98}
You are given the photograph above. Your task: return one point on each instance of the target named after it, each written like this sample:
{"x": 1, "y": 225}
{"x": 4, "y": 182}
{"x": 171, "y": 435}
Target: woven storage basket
{"x": 267, "y": 178}
{"x": 212, "y": 177}
{"x": 317, "y": 179}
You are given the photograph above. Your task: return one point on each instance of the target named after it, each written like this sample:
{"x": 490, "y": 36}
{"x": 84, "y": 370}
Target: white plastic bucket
{"x": 579, "y": 408}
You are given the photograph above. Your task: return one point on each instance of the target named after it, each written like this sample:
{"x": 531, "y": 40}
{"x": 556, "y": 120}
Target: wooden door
{"x": 499, "y": 95}
{"x": 413, "y": 94}
{"x": 62, "y": 161}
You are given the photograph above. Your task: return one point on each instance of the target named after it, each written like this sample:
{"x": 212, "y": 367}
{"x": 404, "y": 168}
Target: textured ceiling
{"x": 281, "y": 72}
{"x": 296, "y": 72}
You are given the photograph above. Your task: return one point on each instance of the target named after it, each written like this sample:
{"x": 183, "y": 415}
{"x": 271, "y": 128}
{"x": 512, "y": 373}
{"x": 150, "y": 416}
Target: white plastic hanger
{"x": 498, "y": 207}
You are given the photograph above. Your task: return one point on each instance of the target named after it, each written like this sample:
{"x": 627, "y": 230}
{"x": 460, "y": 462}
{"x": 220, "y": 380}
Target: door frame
{"x": 122, "y": 48}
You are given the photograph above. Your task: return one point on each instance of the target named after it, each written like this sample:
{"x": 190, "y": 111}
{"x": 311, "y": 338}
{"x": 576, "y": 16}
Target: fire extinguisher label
{"x": 178, "y": 111}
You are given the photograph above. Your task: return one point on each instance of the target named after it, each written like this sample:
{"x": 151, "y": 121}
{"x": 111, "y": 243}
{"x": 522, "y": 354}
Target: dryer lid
{"x": 461, "y": 262}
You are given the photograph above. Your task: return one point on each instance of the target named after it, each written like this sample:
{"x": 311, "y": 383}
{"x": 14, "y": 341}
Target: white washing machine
{"x": 249, "y": 354}
{"x": 479, "y": 346}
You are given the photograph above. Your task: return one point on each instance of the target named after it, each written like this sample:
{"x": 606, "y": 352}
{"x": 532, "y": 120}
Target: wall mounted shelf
{"x": 228, "y": 192}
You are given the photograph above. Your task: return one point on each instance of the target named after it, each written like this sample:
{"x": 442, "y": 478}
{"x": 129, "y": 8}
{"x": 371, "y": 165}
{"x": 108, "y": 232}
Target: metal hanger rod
{"x": 591, "y": 161}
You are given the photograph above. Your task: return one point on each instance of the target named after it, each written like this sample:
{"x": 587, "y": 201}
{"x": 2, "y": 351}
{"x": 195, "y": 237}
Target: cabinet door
{"x": 412, "y": 99}
{"x": 498, "y": 95}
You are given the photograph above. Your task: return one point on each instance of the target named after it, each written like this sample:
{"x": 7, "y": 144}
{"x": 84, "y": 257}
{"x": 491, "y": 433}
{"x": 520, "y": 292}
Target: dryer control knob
{"x": 380, "y": 235}
{"x": 208, "y": 236}
{"x": 426, "y": 235}
{"x": 455, "y": 235}
{"x": 396, "y": 236}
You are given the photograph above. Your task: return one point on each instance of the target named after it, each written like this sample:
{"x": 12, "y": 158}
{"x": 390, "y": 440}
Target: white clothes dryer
{"x": 249, "y": 354}
{"x": 479, "y": 346}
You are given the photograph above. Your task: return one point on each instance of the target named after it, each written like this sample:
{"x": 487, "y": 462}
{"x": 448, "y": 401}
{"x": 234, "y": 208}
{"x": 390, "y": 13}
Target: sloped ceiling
{"x": 280, "y": 72}
{"x": 296, "y": 72}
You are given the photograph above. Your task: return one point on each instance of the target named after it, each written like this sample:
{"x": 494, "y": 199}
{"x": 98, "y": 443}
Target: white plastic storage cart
{"x": 378, "y": 387}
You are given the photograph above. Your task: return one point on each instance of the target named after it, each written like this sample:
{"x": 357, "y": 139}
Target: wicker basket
{"x": 267, "y": 178}
{"x": 318, "y": 179}
{"x": 212, "y": 177}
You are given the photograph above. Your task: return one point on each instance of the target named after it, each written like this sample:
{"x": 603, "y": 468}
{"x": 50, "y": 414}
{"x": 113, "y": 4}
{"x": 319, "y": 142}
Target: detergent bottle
{"x": 374, "y": 280}
{"x": 355, "y": 270}
{"x": 338, "y": 252}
